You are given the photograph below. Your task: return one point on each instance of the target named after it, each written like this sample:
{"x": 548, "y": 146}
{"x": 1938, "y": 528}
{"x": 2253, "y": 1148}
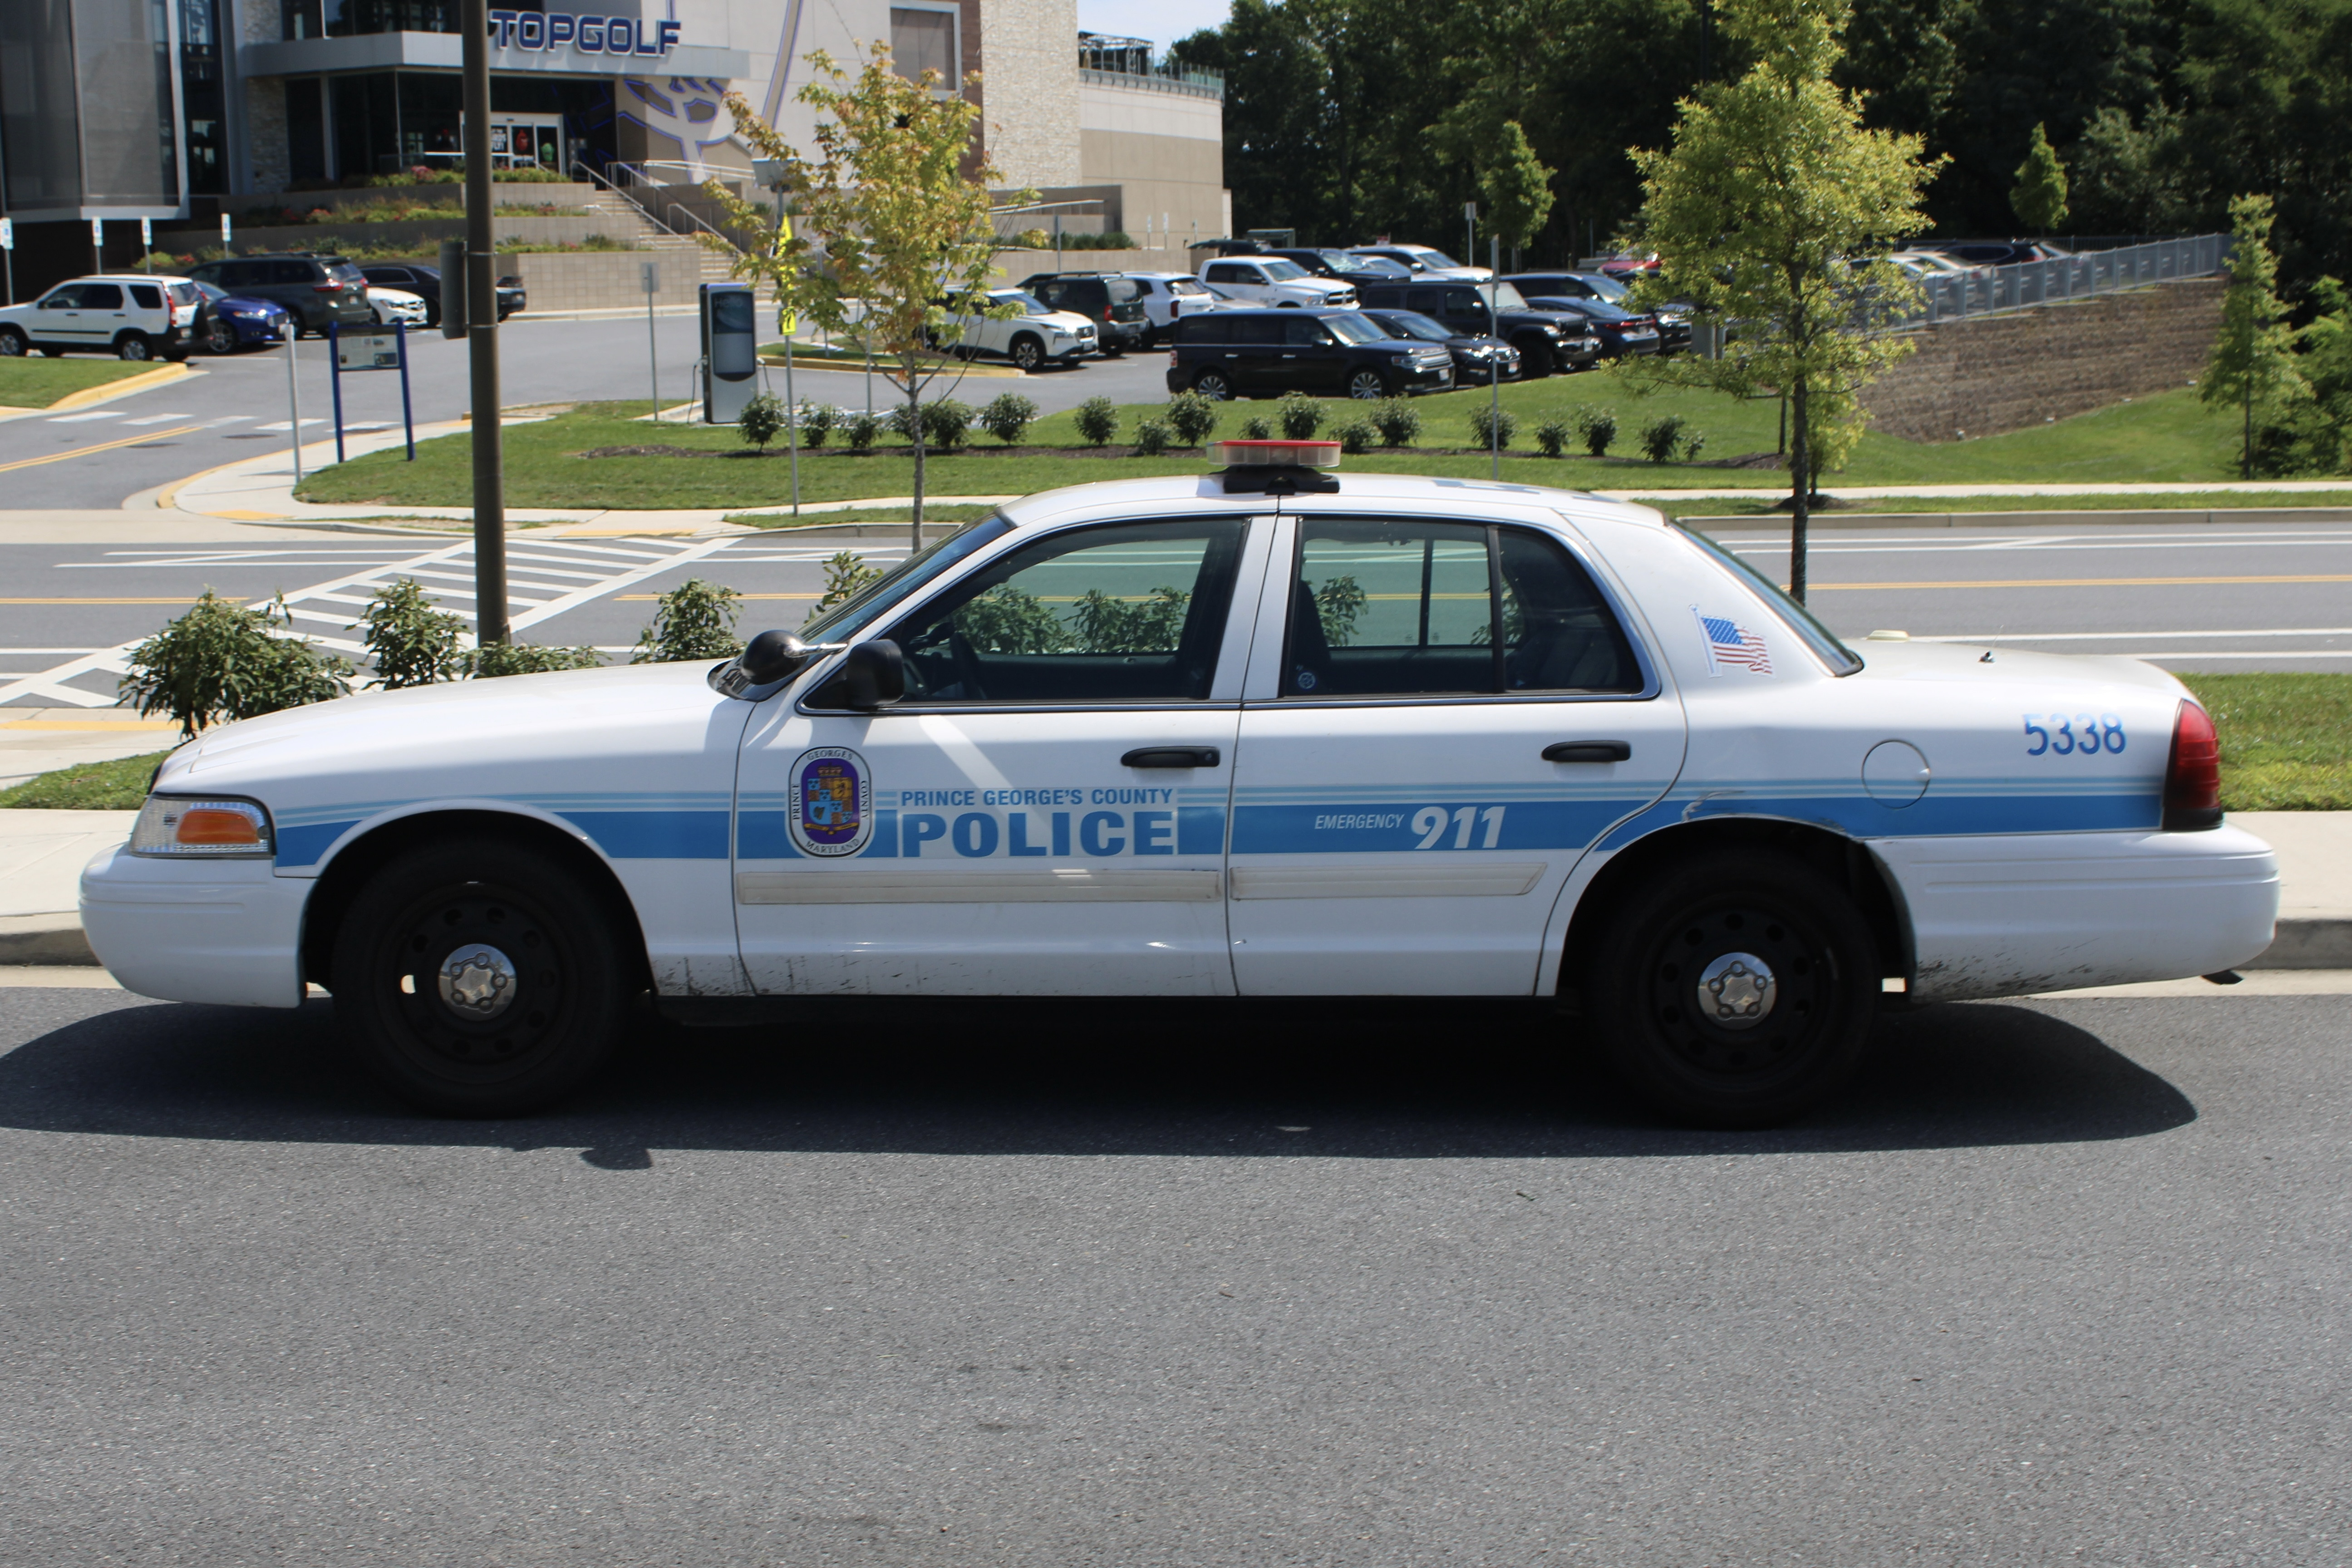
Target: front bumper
{"x": 223, "y": 931}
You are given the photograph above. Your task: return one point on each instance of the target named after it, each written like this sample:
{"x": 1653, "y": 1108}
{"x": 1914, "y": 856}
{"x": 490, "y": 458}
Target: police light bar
{"x": 1276, "y": 454}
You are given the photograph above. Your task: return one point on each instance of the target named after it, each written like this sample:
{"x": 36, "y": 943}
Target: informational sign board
{"x": 374, "y": 348}
{"x": 367, "y": 350}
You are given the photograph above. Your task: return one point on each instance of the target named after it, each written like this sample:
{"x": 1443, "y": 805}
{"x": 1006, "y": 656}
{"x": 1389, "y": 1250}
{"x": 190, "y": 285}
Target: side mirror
{"x": 772, "y": 656}
{"x": 873, "y": 675}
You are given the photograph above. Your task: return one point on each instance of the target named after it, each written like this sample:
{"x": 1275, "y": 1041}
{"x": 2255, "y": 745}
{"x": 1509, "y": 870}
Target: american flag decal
{"x": 1729, "y": 643}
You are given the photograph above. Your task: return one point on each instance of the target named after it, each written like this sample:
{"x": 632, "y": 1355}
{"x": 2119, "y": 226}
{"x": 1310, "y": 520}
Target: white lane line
{"x": 86, "y": 418}
{"x": 2028, "y": 546}
{"x": 17, "y": 652}
{"x": 2265, "y": 652}
{"x": 156, "y": 419}
{"x": 284, "y": 424}
{"x": 226, "y": 419}
{"x": 2122, "y": 637}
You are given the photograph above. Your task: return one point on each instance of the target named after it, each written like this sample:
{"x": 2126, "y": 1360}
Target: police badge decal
{"x": 832, "y": 802}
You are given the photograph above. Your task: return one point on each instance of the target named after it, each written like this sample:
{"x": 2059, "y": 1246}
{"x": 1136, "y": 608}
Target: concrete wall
{"x": 1029, "y": 90}
{"x": 1982, "y": 375}
{"x": 602, "y": 280}
{"x": 1164, "y": 151}
{"x": 419, "y": 237}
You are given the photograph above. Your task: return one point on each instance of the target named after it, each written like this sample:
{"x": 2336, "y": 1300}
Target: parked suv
{"x": 1672, "y": 321}
{"x": 1113, "y": 302}
{"x": 1167, "y": 295}
{"x": 1422, "y": 261}
{"x": 1271, "y": 280}
{"x": 1548, "y": 342}
{"x": 424, "y": 283}
{"x": 1331, "y": 353}
{"x": 1346, "y": 265}
{"x": 315, "y": 289}
{"x": 131, "y": 315}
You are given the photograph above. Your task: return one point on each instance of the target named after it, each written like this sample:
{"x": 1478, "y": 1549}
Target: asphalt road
{"x": 954, "y": 1285}
{"x": 234, "y": 407}
{"x": 2190, "y": 598}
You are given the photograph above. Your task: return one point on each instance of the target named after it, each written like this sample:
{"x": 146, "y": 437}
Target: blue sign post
{"x": 374, "y": 350}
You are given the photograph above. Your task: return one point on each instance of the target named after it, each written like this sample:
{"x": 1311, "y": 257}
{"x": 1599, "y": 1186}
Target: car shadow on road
{"x": 1380, "y": 1079}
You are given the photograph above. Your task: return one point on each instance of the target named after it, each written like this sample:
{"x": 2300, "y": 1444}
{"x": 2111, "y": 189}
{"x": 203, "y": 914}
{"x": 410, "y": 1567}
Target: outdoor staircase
{"x": 629, "y": 222}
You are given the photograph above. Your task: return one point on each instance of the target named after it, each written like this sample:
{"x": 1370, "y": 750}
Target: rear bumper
{"x": 2012, "y": 916}
{"x": 225, "y": 932}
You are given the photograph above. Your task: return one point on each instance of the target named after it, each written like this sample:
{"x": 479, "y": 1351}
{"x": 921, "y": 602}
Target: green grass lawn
{"x": 117, "y": 785}
{"x": 2166, "y": 438}
{"x": 34, "y": 382}
{"x": 2286, "y": 740}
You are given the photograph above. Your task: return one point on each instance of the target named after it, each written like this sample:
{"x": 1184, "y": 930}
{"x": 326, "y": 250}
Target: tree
{"x": 1770, "y": 190}
{"x": 2038, "y": 197}
{"x": 2254, "y": 357}
{"x": 886, "y": 214}
{"x": 1514, "y": 187}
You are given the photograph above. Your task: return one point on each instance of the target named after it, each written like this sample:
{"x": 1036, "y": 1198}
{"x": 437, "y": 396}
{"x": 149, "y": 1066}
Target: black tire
{"x": 134, "y": 347}
{"x": 1536, "y": 358}
{"x": 1367, "y": 386}
{"x": 1027, "y": 352}
{"x": 568, "y": 979}
{"x": 13, "y": 343}
{"x": 1641, "y": 984}
{"x": 1214, "y": 385}
{"x": 220, "y": 338}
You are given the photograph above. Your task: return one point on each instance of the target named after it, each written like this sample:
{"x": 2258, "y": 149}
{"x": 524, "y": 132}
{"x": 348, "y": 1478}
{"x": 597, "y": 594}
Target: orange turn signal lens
{"x": 215, "y": 827}
{"x": 170, "y": 824}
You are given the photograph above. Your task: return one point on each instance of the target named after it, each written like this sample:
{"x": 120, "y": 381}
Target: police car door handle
{"x": 1587, "y": 752}
{"x": 1172, "y": 757}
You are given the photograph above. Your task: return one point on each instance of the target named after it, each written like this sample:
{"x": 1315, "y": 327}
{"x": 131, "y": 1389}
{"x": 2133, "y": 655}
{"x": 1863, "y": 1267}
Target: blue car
{"x": 227, "y": 322}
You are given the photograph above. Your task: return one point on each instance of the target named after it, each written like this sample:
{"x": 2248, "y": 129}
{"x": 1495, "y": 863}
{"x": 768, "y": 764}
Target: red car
{"x": 1626, "y": 263}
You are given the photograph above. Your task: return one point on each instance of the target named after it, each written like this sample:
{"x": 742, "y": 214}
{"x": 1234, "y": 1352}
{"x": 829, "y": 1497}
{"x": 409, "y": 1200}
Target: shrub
{"x": 1660, "y": 437}
{"x": 1493, "y": 426}
{"x": 1008, "y": 414}
{"x": 694, "y": 620}
{"x": 947, "y": 423}
{"x": 409, "y": 642}
{"x": 1692, "y": 443}
{"x": 1358, "y": 435}
{"x": 861, "y": 429}
{"x": 1598, "y": 426}
{"x": 846, "y": 572}
{"x": 761, "y": 421}
{"x": 1192, "y": 416}
{"x": 1299, "y": 415}
{"x": 1097, "y": 420}
{"x": 221, "y": 661}
{"x": 1255, "y": 428}
{"x": 1398, "y": 422}
{"x": 1151, "y": 437}
{"x": 1553, "y": 435}
{"x": 494, "y": 660}
{"x": 817, "y": 420}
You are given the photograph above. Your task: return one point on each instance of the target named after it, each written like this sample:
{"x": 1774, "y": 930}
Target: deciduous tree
{"x": 2254, "y": 364}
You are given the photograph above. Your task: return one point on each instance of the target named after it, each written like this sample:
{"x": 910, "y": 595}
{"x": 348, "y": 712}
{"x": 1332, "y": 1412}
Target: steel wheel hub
{"x": 1736, "y": 990}
{"x": 477, "y": 981}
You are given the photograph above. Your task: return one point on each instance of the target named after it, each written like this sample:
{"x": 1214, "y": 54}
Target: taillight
{"x": 1171, "y": 359}
{"x": 2192, "y": 775}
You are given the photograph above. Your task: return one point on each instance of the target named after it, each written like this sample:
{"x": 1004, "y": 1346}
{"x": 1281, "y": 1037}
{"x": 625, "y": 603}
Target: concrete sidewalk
{"x": 42, "y": 854}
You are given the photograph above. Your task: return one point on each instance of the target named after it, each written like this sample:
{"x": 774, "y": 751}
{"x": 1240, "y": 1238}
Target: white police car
{"x": 1272, "y": 731}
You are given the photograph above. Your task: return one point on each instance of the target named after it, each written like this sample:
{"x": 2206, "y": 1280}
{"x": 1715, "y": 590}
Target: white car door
{"x": 55, "y": 315}
{"x": 1411, "y": 797}
{"x": 1044, "y": 812}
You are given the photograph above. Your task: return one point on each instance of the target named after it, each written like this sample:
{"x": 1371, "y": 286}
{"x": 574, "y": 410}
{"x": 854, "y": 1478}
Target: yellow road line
{"x": 101, "y": 446}
{"x": 2081, "y": 583}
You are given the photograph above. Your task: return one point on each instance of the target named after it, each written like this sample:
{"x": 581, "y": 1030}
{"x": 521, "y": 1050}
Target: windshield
{"x": 1283, "y": 271}
{"x": 842, "y": 622}
{"x": 1355, "y": 328}
{"x": 1428, "y": 257}
{"x": 1842, "y": 659}
{"x": 1503, "y": 296}
{"x": 1030, "y": 304}
{"x": 1608, "y": 288}
{"x": 1600, "y": 310}
{"x": 1411, "y": 324}
{"x": 209, "y": 291}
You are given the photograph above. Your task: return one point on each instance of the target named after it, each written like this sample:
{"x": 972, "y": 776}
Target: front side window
{"x": 1353, "y": 329}
{"x": 68, "y": 298}
{"x": 1306, "y": 333}
{"x": 1412, "y": 608}
{"x": 1226, "y": 272}
{"x": 1123, "y": 612}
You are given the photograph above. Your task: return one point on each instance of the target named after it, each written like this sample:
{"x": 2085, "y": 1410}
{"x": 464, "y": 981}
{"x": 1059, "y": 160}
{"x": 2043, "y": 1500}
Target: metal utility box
{"x": 731, "y": 351}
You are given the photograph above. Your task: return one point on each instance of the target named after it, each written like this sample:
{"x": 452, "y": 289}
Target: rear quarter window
{"x": 1204, "y": 330}
{"x": 147, "y": 296}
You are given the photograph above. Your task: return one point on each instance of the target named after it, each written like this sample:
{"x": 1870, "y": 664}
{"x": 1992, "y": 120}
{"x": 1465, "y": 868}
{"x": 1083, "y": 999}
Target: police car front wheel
{"x": 476, "y": 978}
{"x": 1735, "y": 990}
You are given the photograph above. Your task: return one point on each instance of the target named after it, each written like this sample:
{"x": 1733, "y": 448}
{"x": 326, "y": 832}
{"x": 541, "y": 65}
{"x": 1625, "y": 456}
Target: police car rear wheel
{"x": 480, "y": 979}
{"x": 1737, "y": 990}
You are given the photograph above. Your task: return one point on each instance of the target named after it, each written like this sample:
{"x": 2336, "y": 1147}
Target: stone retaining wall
{"x": 418, "y": 237}
{"x": 1982, "y": 375}
{"x": 609, "y": 280}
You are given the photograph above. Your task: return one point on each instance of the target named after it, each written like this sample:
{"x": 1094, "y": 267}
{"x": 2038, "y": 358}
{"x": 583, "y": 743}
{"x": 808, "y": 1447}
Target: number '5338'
{"x": 2085, "y": 733}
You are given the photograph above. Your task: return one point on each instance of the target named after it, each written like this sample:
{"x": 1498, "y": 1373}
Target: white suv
{"x": 1167, "y": 298}
{"x": 1038, "y": 333}
{"x": 1272, "y": 280}
{"x": 131, "y": 315}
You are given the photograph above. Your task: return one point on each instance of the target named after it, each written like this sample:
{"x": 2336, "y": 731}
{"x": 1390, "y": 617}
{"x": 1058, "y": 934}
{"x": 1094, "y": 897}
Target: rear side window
{"x": 238, "y": 274}
{"x": 1204, "y": 330}
{"x": 1257, "y": 329}
{"x": 1226, "y": 272}
{"x": 1428, "y": 301}
{"x": 147, "y": 296}
{"x": 293, "y": 272}
{"x": 101, "y": 297}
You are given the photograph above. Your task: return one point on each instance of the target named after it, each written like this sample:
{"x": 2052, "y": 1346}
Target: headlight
{"x": 214, "y": 829}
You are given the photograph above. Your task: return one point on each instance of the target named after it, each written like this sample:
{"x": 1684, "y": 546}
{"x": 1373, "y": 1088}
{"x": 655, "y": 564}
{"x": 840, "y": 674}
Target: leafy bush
{"x": 222, "y": 661}
{"x": 1192, "y": 416}
{"x": 1553, "y": 435}
{"x": 947, "y": 425}
{"x": 1151, "y": 438}
{"x": 1493, "y": 426}
{"x": 1008, "y": 414}
{"x": 845, "y": 573}
{"x": 1358, "y": 435}
{"x": 1598, "y": 426}
{"x": 1255, "y": 428}
{"x": 409, "y": 642}
{"x": 861, "y": 429}
{"x": 1398, "y": 422}
{"x": 694, "y": 620}
{"x": 1337, "y": 602}
{"x": 494, "y": 660}
{"x": 1660, "y": 437}
{"x": 761, "y": 421}
{"x": 817, "y": 420}
{"x": 1692, "y": 444}
{"x": 1097, "y": 420}
{"x": 1299, "y": 415}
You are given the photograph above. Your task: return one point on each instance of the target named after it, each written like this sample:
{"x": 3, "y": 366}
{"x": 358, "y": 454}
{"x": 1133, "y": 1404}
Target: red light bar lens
{"x": 1275, "y": 454}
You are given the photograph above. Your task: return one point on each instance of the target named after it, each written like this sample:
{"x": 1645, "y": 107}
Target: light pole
{"x": 1493, "y": 363}
{"x": 482, "y": 336}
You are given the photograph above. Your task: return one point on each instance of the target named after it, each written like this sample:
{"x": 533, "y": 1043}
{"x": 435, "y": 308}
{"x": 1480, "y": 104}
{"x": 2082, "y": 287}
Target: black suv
{"x": 1346, "y": 267}
{"x": 1329, "y": 353}
{"x": 1547, "y": 341}
{"x": 1106, "y": 298}
{"x": 1673, "y": 321}
{"x": 315, "y": 289}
